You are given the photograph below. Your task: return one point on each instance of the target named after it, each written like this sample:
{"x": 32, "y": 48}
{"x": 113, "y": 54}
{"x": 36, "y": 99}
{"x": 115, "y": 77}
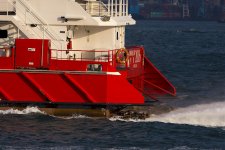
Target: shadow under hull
{"x": 97, "y": 110}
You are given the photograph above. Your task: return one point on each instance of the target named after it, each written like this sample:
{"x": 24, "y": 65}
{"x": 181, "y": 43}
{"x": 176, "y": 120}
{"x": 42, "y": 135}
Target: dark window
{"x": 5, "y": 52}
{"x": 2, "y": 53}
{"x": 3, "y": 33}
{"x": 117, "y": 35}
{"x": 94, "y": 67}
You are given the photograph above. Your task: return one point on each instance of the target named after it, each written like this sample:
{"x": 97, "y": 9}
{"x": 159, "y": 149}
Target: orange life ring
{"x": 122, "y": 56}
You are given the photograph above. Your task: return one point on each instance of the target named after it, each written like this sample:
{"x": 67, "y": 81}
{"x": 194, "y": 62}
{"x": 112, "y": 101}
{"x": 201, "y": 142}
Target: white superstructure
{"x": 85, "y": 24}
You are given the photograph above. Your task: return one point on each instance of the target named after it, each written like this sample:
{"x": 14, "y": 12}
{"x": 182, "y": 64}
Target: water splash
{"x": 74, "y": 116}
{"x": 35, "y": 110}
{"x": 119, "y": 118}
{"x": 28, "y": 110}
{"x": 209, "y": 115}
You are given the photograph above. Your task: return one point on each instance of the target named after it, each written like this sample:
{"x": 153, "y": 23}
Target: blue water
{"x": 193, "y": 61}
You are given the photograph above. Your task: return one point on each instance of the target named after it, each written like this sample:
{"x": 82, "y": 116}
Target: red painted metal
{"x": 122, "y": 92}
{"x": 95, "y": 86}
{"x": 110, "y": 89}
{"x": 69, "y": 45}
{"x": 7, "y": 62}
{"x": 152, "y": 83}
{"x": 146, "y": 77}
{"x": 68, "y": 88}
{"x": 66, "y": 80}
{"x": 80, "y": 88}
{"x": 32, "y": 53}
{"x": 55, "y": 87}
{"x": 135, "y": 67}
{"x": 14, "y": 87}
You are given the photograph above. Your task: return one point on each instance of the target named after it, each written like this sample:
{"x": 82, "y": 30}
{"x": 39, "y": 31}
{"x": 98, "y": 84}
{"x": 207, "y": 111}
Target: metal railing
{"x": 95, "y": 8}
{"x": 113, "y": 8}
{"x": 85, "y": 55}
{"x": 22, "y": 14}
{"x": 118, "y": 8}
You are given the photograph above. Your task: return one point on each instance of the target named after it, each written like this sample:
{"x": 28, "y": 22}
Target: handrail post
{"x": 42, "y": 48}
{"x": 108, "y": 56}
{"x": 123, "y": 9}
{"x": 99, "y": 8}
{"x": 116, "y": 7}
{"x": 120, "y": 8}
{"x": 127, "y": 4}
{"x": 108, "y": 7}
{"x": 111, "y": 7}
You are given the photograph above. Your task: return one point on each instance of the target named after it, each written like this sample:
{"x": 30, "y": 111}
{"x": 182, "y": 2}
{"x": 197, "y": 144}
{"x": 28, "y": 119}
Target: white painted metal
{"x": 12, "y": 32}
{"x": 89, "y": 24}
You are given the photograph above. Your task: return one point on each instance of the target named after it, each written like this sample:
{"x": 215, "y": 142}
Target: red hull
{"x": 62, "y": 87}
{"x": 32, "y": 75}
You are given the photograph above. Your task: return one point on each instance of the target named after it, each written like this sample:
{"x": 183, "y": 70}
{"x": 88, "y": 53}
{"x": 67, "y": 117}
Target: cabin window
{"x": 3, "y": 34}
{"x": 2, "y": 53}
{"x": 94, "y": 67}
{"x": 5, "y": 52}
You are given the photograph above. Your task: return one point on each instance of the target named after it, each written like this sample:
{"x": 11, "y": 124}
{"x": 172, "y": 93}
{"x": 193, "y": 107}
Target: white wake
{"x": 28, "y": 110}
{"x": 35, "y": 110}
{"x": 209, "y": 115}
{"x": 74, "y": 116}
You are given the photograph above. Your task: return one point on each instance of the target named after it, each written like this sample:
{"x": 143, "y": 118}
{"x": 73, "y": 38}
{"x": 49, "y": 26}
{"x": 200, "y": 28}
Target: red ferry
{"x": 66, "y": 56}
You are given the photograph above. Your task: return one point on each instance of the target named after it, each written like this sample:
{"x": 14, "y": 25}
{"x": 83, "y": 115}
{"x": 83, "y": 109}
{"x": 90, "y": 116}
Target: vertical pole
{"x": 18, "y": 32}
{"x": 116, "y": 7}
{"x": 108, "y": 7}
{"x": 111, "y": 7}
{"x": 123, "y": 7}
{"x": 99, "y": 9}
{"x": 127, "y": 8}
{"x": 89, "y": 8}
{"x": 120, "y": 8}
{"x": 42, "y": 48}
{"x": 61, "y": 58}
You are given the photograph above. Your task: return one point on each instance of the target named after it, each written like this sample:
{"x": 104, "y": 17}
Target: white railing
{"x": 118, "y": 8}
{"x": 85, "y": 55}
{"x": 113, "y": 8}
{"x": 95, "y": 8}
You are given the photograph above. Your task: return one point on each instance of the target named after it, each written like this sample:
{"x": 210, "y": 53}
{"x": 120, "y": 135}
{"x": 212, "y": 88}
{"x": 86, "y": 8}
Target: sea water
{"x": 193, "y": 61}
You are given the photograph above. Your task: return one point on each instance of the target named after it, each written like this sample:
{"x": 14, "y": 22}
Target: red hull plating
{"x": 63, "y": 87}
{"x": 31, "y": 75}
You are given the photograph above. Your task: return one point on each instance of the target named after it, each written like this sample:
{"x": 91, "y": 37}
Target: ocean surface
{"x": 192, "y": 57}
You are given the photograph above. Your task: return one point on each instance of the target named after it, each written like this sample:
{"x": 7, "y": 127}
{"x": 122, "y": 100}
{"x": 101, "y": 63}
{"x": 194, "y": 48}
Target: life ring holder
{"x": 124, "y": 58}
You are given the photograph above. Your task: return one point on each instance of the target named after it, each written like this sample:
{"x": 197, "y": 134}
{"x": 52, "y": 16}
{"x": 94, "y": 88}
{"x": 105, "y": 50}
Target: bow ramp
{"x": 151, "y": 82}
{"x": 155, "y": 83}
